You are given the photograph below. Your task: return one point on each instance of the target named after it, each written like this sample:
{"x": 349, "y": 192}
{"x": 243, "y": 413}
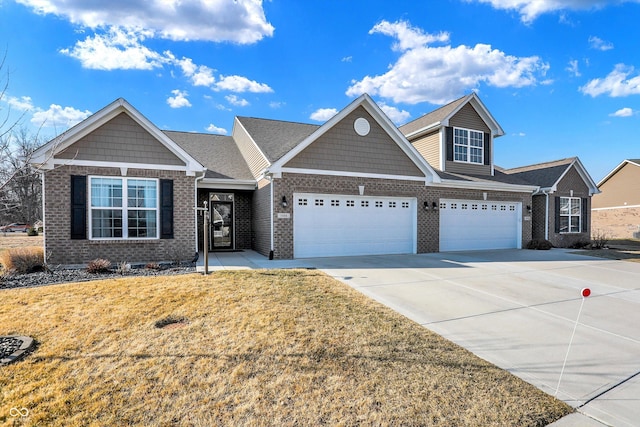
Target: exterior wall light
{"x": 528, "y": 208}
{"x": 284, "y": 201}
{"x": 434, "y": 206}
{"x": 426, "y": 206}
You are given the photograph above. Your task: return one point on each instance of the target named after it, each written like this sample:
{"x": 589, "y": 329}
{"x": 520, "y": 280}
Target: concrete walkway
{"x": 516, "y": 309}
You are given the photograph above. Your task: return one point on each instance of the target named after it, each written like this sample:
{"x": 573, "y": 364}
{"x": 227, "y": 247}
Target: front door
{"x": 221, "y": 210}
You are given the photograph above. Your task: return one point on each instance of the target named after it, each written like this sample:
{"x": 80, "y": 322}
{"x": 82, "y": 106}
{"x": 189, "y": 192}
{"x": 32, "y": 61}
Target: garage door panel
{"x": 477, "y": 225}
{"x": 343, "y": 225}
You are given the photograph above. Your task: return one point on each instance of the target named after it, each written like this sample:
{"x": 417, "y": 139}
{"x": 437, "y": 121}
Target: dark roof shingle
{"x": 218, "y": 153}
{"x": 276, "y": 138}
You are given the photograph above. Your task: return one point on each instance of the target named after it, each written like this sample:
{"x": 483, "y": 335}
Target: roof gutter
{"x": 496, "y": 186}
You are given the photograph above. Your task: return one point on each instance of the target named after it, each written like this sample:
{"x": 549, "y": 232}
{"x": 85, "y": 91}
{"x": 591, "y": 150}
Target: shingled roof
{"x": 218, "y": 153}
{"x": 544, "y": 175}
{"x": 274, "y": 137}
{"x": 435, "y": 116}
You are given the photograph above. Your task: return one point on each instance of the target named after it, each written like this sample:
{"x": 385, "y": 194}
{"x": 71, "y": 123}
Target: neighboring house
{"x": 560, "y": 210}
{"x": 117, "y": 187}
{"x": 616, "y": 210}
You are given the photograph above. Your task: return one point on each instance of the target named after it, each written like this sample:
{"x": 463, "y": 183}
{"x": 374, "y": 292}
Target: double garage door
{"x": 479, "y": 224}
{"x": 345, "y": 225}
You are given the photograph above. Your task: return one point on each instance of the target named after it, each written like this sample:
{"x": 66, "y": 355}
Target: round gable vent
{"x": 362, "y": 126}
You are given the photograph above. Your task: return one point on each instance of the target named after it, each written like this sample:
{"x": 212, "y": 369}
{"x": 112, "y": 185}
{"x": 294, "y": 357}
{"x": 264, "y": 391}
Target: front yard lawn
{"x": 276, "y": 348}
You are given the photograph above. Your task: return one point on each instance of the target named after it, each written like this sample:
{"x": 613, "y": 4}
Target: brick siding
{"x": 428, "y": 221}
{"x": 60, "y": 249}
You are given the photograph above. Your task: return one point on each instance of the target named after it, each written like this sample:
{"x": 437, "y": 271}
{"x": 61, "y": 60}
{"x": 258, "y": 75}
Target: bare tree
{"x": 20, "y": 188}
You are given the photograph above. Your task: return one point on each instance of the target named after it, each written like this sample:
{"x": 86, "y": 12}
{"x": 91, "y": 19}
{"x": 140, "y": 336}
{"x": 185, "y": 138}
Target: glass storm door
{"x": 221, "y": 221}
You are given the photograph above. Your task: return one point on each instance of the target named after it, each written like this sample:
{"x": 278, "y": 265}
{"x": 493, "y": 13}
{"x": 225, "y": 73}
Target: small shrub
{"x": 99, "y": 265}
{"x": 32, "y": 232}
{"x": 539, "y": 244}
{"x": 22, "y": 260}
{"x": 123, "y": 267}
{"x": 153, "y": 266}
{"x": 599, "y": 239}
{"x": 580, "y": 244}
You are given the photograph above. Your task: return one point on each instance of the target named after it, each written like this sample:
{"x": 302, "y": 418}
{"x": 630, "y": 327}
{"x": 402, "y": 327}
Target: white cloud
{"x": 573, "y": 68}
{"x": 21, "y": 104}
{"x": 118, "y": 49}
{"x": 238, "y": 102}
{"x": 179, "y": 99}
{"x": 323, "y": 114}
{"x": 241, "y": 84}
{"x": 598, "y": 43}
{"x": 438, "y": 75}
{"x": 277, "y": 104}
{"x": 347, "y": 59}
{"x": 57, "y": 116}
{"x": 238, "y": 21}
{"x": 408, "y": 37}
{"x": 623, "y": 112}
{"x": 396, "y": 115}
{"x": 529, "y": 10}
{"x": 616, "y": 84}
{"x": 215, "y": 129}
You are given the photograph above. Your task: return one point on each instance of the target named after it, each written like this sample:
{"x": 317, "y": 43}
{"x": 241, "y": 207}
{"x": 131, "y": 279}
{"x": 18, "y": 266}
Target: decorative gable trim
{"x": 476, "y": 103}
{"x": 593, "y": 188}
{"x": 378, "y": 115}
{"x": 44, "y": 156}
{"x": 617, "y": 168}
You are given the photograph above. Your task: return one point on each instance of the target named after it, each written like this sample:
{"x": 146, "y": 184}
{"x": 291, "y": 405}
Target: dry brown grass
{"x": 21, "y": 260}
{"x": 259, "y": 348}
{"x": 621, "y": 249}
{"x": 18, "y": 240}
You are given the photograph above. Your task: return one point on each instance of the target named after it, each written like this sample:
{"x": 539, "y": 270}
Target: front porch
{"x": 246, "y": 260}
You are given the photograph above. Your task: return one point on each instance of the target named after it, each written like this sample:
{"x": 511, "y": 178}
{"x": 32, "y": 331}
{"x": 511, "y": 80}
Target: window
{"x": 123, "y": 208}
{"x": 570, "y": 218}
{"x": 468, "y": 146}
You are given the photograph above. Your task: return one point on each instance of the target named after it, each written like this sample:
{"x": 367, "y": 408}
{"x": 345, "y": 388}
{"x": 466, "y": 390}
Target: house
{"x": 616, "y": 210}
{"x": 560, "y": 208}
{"x": 117, "y": 187}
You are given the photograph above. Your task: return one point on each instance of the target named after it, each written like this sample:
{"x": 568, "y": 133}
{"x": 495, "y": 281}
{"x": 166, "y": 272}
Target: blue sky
{"x": 562, "y": 77}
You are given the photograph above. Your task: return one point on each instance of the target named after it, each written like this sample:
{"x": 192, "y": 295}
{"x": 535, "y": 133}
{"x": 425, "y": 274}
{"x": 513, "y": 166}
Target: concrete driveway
{"x": 518, "y": 309}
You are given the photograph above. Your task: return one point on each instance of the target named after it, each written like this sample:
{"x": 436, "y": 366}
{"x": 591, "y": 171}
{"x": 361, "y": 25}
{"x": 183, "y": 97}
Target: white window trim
{"x": 124, "y": 208}
{"x": 468, "y": 146}
{"x": 569, "y": 215}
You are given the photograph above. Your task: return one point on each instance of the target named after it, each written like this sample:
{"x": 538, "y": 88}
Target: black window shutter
{"x": 585, "y": 215}
{"x": 448, "y": 138}
{"x": 78, "y": 207}
{"x": 166, "y": 209}
{"x": 487, "y": 148}
{"x": 557, "y": 209}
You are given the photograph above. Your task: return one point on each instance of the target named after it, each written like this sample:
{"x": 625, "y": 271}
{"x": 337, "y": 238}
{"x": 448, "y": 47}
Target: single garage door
{"x": 341, "y": 225}
{"x": 476, "y": 225}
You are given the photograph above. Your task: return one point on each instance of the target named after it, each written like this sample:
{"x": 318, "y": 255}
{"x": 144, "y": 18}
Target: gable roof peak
{"x": 542, "y": 165}
{"x": 441, "y": 116}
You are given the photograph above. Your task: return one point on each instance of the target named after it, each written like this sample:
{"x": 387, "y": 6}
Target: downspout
{"x": 44, "y": 221}
{"x": 270, "y": 178}
{"x": 546, "y": 215}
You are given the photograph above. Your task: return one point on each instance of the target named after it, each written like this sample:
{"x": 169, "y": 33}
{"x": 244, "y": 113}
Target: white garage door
{"x": 340, "y": 225}
{"x": 475, "y": 225}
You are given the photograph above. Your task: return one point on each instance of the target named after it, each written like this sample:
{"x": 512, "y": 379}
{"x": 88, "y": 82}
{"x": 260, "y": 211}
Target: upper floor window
{"x": 570, "y": 214}
{"x": 123, "y": 208}
{"x": 468, "y": 146}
